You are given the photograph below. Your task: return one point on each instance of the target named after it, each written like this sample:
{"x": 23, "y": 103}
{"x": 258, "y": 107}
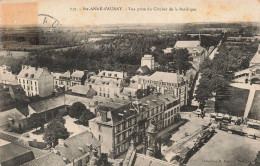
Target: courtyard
{"x": 72, "y": 127}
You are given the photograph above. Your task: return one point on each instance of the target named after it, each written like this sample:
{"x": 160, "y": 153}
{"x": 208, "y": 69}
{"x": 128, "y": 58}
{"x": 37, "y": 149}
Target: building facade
{"x": 116, "y": 122}
{"x": 76, "y": 77}
{"x": 62, "y": 80}
{"x": 163, "y": 82}
{"x": 36, "y": 81}
{"x": 148, "y": 60}
{"x": 107, "y": 83}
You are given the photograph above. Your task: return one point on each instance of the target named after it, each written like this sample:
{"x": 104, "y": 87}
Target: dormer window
{"x": 32, "y": 75}
{"x": 26, "y": 74}
{"x": 115, "y": 75}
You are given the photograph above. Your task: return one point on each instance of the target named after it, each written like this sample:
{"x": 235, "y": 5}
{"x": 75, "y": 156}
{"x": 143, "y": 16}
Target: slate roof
{"x": 10, "y": 151}
{"x": 71, "y": 148}
{"x": 48, "y": 104}
{"x": 256, "y": 58}
{"x": 91, "y": 93}
{"x": 144, "y": 70}
{"x": 166, "y": 77}
{"x": 143, "y": 160}
{"x": 50, "y": 159}
{"x": 80, "y": 89}
{"x": 187, "y": 44}
{"x": 112, "y": 82}
{"x": 13, "y": 114}
{"x": 30, "y": 72}
{"x": 77, "y": 73}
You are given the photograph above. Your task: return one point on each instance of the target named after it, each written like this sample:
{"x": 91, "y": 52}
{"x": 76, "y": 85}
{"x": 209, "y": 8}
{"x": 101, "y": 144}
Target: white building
{"x": 148, "y": 60}
{"x": 107, "y": 83}
{"x": 7, "y": 77}
{"x": 36, "y": 81}
{"x": 163, "y": 82}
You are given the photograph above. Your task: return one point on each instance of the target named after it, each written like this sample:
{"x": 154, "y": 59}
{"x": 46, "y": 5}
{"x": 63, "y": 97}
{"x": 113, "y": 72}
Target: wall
{"x": 106, "y": 133}
{"x": 45, "y": 84}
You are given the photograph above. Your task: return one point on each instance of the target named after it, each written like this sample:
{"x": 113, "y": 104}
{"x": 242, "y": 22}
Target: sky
{"x": 24, "y": 12}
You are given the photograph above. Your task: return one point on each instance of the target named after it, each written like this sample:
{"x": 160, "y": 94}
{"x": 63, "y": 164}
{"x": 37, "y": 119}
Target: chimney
{"x": 74, "y": 70}
{"x": 85, "y": 72}
{"x": 103, "y": 114}
{"x": 25, "y": 66}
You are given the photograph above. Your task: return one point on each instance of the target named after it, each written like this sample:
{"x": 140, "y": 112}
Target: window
{"x": 100, "y": 89}
{"x": 31, "y": 83}
{"x": 56, "y": 82}
{"x": 119, "y": 128}
{"x": 27, "y": 82}
{"x": 100, "y": 138}
{"x": 99, "y": 128}
{"x": 19, "y": 80}
{"x": 107, "y": 95}
{"x": 124, "y": 135}
{"x": 23, "y": 82}
{"x": 118, "y": 149}
{"x": 171, "y": 112}
{"x": 35, "y": 89}
{"x": 165, "y": 115}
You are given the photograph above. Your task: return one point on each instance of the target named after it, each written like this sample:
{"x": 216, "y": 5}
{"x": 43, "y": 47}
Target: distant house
{"x": 12, "y": 154}
{"x": 107, "y": 84}
{"x": 78, "y": 149}
{"x": 36, "y": 81}
{"x": 148, "y": 60}
{"x": 77, "y": 78}
{"x": 7, "y": 77}
{"x": 167, "y": 50}
{"x": 196, "y": 52}
{"x": 12, "y": 120}
{"x": 62, "y": 80}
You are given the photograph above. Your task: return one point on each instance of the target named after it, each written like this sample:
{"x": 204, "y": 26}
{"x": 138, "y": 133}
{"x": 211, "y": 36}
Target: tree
{"x": 54, "y": 131}
{"x": 37, "y": 121}
{"x": 77, "y": 109}
{"x": 85, "y": 116}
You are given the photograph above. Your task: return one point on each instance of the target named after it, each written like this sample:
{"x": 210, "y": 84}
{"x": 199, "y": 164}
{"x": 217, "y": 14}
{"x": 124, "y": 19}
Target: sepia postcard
{"x": 130, "y": 83}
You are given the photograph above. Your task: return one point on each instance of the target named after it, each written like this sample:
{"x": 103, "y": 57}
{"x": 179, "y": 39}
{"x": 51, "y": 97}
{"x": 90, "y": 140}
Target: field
{"x": 233, "y": 101}
{"x": 254, "y": 113}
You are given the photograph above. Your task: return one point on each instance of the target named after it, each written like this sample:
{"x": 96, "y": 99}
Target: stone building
{"x": 36, "y": 81}
{"x": 117, "y": 120}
